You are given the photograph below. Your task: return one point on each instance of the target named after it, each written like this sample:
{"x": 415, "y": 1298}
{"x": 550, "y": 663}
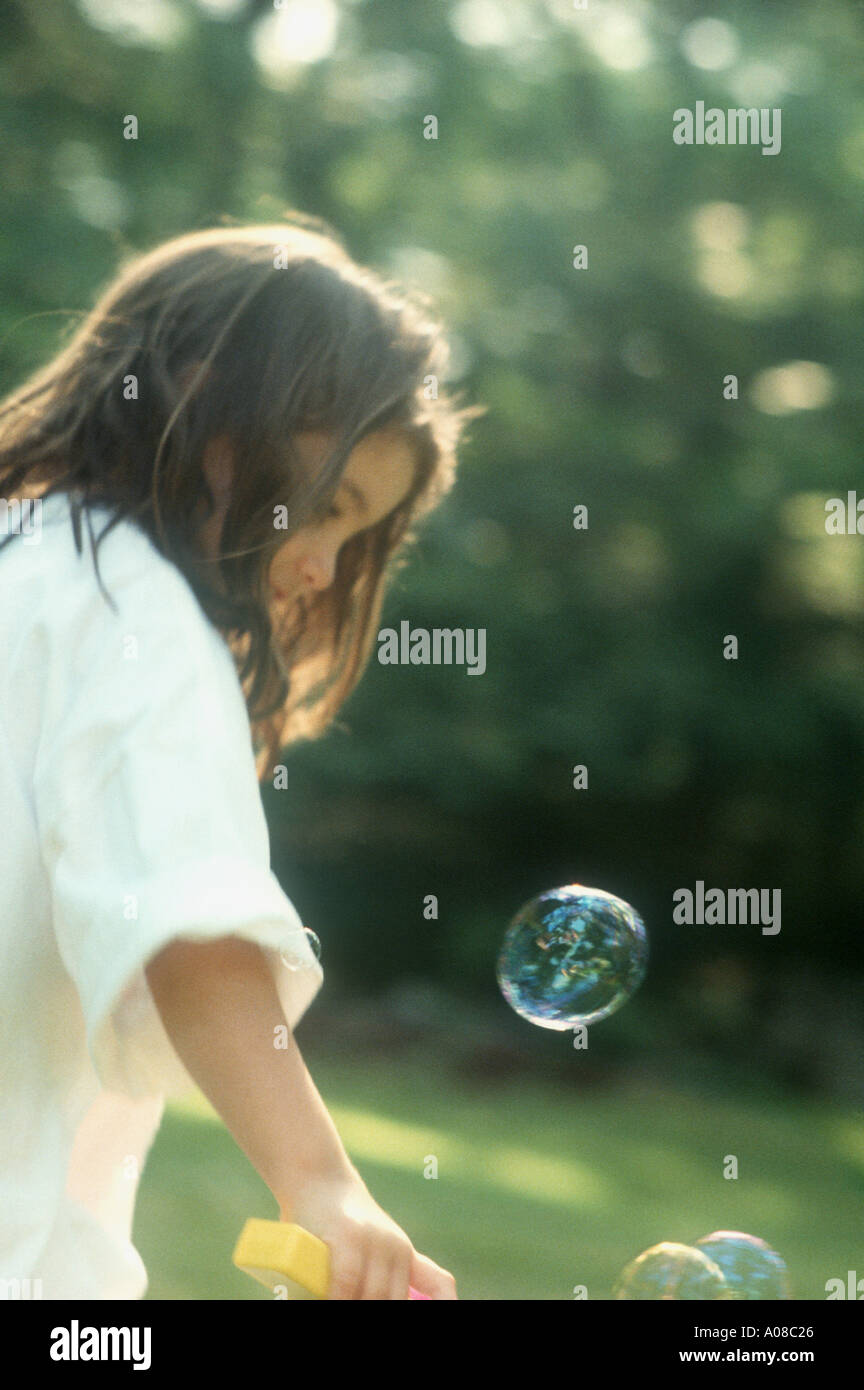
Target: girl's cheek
{"x": 282, "y": 570}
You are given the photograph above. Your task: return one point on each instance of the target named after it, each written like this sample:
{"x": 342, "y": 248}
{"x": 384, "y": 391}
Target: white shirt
{"x": 130, "y": 814}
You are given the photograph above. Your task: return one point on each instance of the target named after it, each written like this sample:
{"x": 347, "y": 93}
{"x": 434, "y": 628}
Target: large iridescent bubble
{"x": 572, "y": 956}
{"x": 672, "y": 1272}
{"x": 750, "y": 1267}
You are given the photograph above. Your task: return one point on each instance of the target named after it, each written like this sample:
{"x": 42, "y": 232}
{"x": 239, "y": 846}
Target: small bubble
{"x": 671, "y": 1272}
{"x": 290, "y": 962}
{"x": 313, "y": 942}
{"x": 750, "y": 1267}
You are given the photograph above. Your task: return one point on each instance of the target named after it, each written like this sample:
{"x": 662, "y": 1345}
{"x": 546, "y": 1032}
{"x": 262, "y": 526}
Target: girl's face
{"x": 377, "y": 478}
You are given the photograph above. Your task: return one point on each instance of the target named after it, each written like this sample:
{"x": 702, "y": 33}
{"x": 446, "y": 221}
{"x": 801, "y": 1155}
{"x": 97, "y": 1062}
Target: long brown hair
{"x": 254, "y": 333}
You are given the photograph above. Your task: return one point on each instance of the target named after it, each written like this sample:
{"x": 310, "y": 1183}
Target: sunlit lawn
{"x": 539, "y": 1189}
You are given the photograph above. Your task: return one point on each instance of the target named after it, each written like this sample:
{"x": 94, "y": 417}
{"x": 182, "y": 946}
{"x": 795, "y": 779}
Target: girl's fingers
{"x": 346, "y": 1276}
{"x": 431, "y": 1279}
{"x": 384, "y": 1278}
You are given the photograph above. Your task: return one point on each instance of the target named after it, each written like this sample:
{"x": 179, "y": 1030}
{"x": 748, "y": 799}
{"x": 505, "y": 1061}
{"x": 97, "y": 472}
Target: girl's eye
{"x": 330, "y": 513}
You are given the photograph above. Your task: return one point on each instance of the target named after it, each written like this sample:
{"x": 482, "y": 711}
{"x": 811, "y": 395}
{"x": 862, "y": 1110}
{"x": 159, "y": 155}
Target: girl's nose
{"x": 317, "y": 569}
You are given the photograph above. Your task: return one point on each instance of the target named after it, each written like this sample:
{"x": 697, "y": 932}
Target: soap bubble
{"x": 750, "y": 1267}
{"x": 572, "y": 956}
{"x": 313, "y": 941}
{"x": 290, "y": 962}
{"x": 670, "y": 1271}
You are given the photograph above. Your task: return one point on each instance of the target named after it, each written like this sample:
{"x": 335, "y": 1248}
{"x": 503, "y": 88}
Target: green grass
{"x": 539, "y": 1188}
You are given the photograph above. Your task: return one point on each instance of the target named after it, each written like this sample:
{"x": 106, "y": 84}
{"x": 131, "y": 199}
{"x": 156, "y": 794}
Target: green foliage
{"x": 604, "y": 388}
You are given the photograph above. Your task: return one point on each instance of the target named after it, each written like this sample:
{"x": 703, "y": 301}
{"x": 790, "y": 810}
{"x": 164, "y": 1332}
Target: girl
{"x": 246, "y": 411}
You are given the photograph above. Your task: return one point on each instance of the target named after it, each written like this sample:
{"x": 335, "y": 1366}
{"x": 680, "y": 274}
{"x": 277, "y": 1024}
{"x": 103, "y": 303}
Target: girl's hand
{"x": 370, "y": 1256}
{"x": 218, "y": 1001}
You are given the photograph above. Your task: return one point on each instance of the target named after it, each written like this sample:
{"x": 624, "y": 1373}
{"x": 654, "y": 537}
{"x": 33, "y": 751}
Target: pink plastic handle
{"x": 412, "y": 1293}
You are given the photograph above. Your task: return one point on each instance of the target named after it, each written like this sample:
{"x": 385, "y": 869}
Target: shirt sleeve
{"x": 148, "y": 807}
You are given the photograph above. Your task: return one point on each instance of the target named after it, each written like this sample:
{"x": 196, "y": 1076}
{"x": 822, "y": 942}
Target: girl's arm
{"x": 219, "y": 1005}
